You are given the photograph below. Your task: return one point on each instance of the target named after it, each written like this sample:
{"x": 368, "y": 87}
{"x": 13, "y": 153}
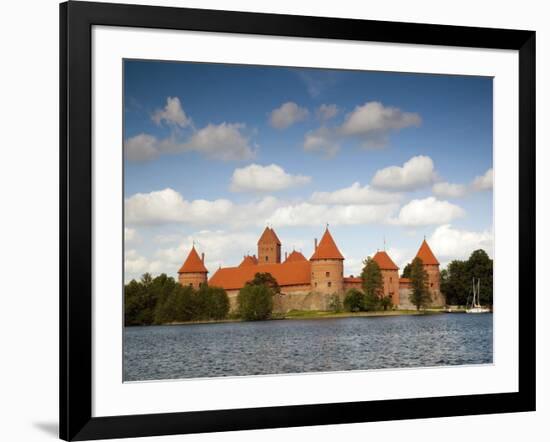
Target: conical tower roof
{"x": 384, "y": 261}
{"x": 269, "y": 236}
{"x": 426, "y": 254}
{"x": 193, "y": 263}
{"x": 327, "y": 248}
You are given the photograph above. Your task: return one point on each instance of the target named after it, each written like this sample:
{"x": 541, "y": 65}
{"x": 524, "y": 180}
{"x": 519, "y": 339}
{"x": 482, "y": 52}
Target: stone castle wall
{"x": 193, "y": 279}
{"x": 299, "y": 297}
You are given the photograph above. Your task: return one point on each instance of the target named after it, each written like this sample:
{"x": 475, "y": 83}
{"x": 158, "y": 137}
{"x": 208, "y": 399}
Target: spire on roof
{"x": 193, "y": 263}
{"x": 327, "y": 248}
{"x": 426, "y": 254}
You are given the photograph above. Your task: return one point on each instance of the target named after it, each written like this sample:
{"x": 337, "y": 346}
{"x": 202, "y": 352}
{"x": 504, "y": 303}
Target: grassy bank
{"x": 316, "y": 314}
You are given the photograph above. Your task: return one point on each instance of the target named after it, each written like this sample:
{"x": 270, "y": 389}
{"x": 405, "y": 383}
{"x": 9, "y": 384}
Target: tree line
{"x": 162, "y": 300}
{"x": 456, "y": 279}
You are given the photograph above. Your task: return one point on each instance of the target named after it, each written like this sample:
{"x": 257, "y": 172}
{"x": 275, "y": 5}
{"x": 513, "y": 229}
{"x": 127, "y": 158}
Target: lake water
{"x": 298, "y": 346}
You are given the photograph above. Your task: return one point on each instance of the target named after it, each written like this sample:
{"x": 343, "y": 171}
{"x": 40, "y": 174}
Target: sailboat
{"x": 476, "y": 306}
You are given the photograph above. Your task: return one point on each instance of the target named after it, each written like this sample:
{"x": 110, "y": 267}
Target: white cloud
{"x": 373, "y": 122}
{"x": 307, "y": 214}
{"x": 142, "y": 147}
{"x": 327, "y": 111}
{"x": 484, "y": 182}
{"x": 449, "y": 243}
{"x": 256, "y": 178}
{"x": 172, "y": 114}
{"x": 355, "y": 194}
{"x": 428, "y": 211}
{"x": 416, "y": 173}
{"x": 224, "y": 141}
{"x": 167, "y": 206}
{"x": 322, "y": 140}
{"x": 130, "y": 235}
{"x": 449, "y": 190}
{"x": 287, "y": 114}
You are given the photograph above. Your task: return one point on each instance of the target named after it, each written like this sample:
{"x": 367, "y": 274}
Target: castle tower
{"x": 269, "y": 247}
{"x": 431, "y": 266}
{"x": 193, "y": 272}
{"x": 327, "y": 267}
{"x": 390, "y": 276}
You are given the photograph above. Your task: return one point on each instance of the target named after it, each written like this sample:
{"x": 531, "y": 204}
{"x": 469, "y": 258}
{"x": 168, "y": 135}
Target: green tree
{"x": 386, "y": 302}
{"x": 214, "y": 302}
{"x": 266, "y": 279}
{"x": 372, "y": 284}
{"x": 255, "y": 302}
{"x": 406, "y": 271}
{"x": 420, "y": 295}
{"x": 354, "y": 300}
{"x": 141, "y": 298}
{"x": 479, "y": 265}
{"x": 456, "y": 279}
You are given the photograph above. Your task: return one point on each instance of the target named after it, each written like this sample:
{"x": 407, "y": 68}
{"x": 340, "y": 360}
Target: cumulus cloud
{"x": 172, "y": 114}
{"x": 416, "y": 173}
{"x": 484, "y": 182}
{"x": 427, "y": 211}
{"x": 166, "y": 206}
{"x": 327, "y": 111}
{"x": 130, "y": 235}
{"x": 355, "y": 194}
{"x": 449, "y": 243}
{"x": 287, "y": 114}
{"x": 308, "y": 214}
{"x": 272, "y": 178}
{"x": 449, "y": 190}
{"x": 372, "y": 122}
{"x": 322, "y": 140}
{"x": 142, "y": 147}
{"x": 224, "y": 142}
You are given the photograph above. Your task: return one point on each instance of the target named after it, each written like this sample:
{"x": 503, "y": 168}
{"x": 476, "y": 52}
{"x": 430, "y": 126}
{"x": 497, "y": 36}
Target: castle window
{"x": 329, "y": 284}
{"x": 432, "y": 284}
{"x": 315, "y": 284}
{"x": 390, "y": 278}
{"x": 266, "y": 258}
{"x": 190, "y": 284}
{"x": 327, "y": 274}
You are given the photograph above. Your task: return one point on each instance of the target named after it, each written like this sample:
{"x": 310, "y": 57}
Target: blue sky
{"x": 214, "y": 152}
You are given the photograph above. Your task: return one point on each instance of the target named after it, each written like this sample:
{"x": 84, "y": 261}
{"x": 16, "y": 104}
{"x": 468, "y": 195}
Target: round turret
{"x": 327, "y": 267}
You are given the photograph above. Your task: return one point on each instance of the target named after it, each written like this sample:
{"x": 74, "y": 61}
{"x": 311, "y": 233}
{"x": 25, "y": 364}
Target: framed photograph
{"x": 273, "y": 221}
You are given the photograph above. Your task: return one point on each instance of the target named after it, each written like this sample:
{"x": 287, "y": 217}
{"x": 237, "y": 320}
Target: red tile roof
{"x": 384, "y": 261}
{"x": 249, "y": 261}
{"x": 405, "y": 281}
{"x": 426, "y": 254}
{"x": 269, "y": 236}
{"x": 352, "y": 279}
{"x": 327, "y": 248}
{"x": 295, "y": 256}
{"x": 193, "y": 263}
{"x": 287, "y": 273}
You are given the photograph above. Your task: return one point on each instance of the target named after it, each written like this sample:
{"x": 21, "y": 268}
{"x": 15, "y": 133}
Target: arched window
{"x": 329, "y": 284}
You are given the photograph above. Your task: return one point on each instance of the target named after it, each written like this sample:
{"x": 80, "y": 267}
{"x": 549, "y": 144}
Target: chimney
{"x": 315, "y": 244}
{"x": 202, "y": 257}
{"x": 286, "y": 256}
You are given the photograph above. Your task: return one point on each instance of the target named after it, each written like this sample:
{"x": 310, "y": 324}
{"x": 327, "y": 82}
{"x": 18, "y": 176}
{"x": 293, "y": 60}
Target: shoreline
{"x": 309, "y": 315}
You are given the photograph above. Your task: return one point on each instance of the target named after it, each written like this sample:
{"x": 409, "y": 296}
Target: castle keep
{"x": 308, "y": 284}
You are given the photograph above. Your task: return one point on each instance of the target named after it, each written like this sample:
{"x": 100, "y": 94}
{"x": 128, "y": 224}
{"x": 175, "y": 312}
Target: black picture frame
{"x": 76, "y": 21}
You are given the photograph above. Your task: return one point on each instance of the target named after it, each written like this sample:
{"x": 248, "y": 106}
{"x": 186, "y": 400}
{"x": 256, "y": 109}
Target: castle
{"x": 308, "y": 284}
